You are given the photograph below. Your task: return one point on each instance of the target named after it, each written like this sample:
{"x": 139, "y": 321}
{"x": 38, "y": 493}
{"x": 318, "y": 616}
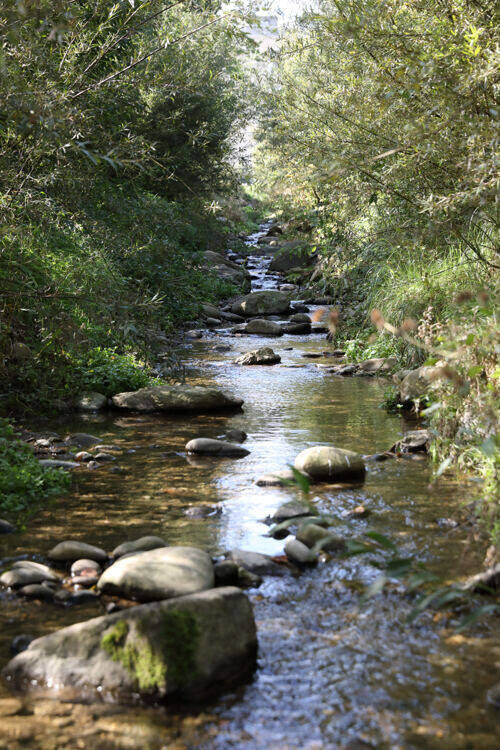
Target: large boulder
{"x": 262, "y": 356}
{"x": 263, "y": 327}
{"x": 325, "y": 463}
{"x": 213, "y": 447}
{"x": 290, "y": 255}
{"x": 161, "y": 573}
{"x": 227, "y": 270}
{"x": 267, "y": 302}
{"x": 91, "y": 401}
{"x": 182, "y": 647}
{"x": 176, "y": 398}
{"x": 414, "y": 441}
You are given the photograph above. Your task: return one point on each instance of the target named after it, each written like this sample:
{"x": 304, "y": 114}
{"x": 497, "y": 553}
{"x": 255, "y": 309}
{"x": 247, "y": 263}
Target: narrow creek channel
{"x": 330, "y": 668}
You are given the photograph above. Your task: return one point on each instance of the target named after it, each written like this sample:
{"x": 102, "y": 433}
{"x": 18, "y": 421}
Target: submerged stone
{"x": 263, "y": 356}
{"x": 213, "y": 447}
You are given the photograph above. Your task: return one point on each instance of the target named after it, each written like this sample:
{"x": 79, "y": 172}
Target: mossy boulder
{"x": 325, "y": 463}
{"x": 182, "y": 647}
{"x": 267, "y": 302}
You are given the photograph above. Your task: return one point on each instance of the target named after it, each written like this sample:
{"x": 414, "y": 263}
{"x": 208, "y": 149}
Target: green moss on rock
{"x": 173, "y": 653}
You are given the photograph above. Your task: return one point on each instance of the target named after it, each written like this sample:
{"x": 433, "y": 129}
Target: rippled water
{"x": 330, "y": 669}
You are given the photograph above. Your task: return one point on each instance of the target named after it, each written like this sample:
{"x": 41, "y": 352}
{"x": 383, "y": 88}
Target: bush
{"x": 107, "y": 372}
{"x": 23, "y": 482}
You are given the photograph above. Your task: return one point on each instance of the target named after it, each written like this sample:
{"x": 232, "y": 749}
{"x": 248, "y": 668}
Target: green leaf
{"x": 475, "y": 370}
{"x": 382, "y": 540}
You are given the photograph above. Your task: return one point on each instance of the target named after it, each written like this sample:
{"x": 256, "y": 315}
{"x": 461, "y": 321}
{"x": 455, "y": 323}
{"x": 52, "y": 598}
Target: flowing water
{"x": 330, "y": 667}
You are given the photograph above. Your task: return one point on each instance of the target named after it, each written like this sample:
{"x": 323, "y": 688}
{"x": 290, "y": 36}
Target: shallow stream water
{"x": 330, "y": 667}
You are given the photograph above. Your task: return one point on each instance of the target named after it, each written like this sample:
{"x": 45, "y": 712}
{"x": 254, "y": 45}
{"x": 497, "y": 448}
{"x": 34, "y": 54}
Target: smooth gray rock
{"x": 236, "y": 436}
{"x": 297, "y": 329}
{"x": 263, "y": 327}
{"x": 210, "y": 311}
{"x": 268, "y": 302}
{"x": 293, "y": 509}
{"x": 276, "y": 479}
{"x": 36, "y": 591}
{"x": 298, "y": 552}
{"x": 329, "y": 464}
{"x": 226, "y": 573}
{"x": 258, "y": 564}
{"x": 71, "y": 550}
{"x": 18, "y": 577}
{"x": 54, "y": 463}
{"x": 300, "y": 318}
{"x": 31, "y": 565}
{"x": 263, "y": 356}
{"x": 183, "y": 647}
{"x": 159, "y": 574}
{"x": 177, "y": 398}
{"x": 91, "y": 401}
{"x": 82, "y": 440}
{"x": 212, "y": 447}
{"x": 311, "y": 534}
{"x": 143, "y": 544}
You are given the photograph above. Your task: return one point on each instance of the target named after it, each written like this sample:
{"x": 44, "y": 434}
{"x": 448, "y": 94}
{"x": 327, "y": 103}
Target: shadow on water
{"x": 329, "y": 668}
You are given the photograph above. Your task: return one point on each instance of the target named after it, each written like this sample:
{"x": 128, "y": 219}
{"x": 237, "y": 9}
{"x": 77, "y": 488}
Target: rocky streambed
{"x": 333, "y": 671}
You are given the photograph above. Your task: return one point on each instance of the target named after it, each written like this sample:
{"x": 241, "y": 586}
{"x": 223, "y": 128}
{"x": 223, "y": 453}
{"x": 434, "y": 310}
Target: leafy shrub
{"x": 23, "y": 481}
{"x": 107, "y": 372}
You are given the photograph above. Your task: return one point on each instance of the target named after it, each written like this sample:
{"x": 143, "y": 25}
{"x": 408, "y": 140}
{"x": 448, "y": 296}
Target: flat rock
{"x": 18, "y": 577}
{"x": 263, "y": 356}
{"x": 293, "y": 509}
{"x": 70, "y": 550}
{"x": 177, "y": 398}
{"x": 260, "y": 565}
{"x": 300, "y": 318}
{"x": 262, "y": 327}
{"x": 327, "y": 463}
{"x": 143, "y": 544}
{"x": 54, "y": 463}
{"x": 236, "y": 436}
{"x": 182, "y": 647}
{"x": 268, "y": 302}
{"x": 297, "y": 329}
{"x": 82, "y": 440}
{"x": 159, "y": 574}
{"x": 378, "y": 364}
{"x": 213, "y": 447}
{"x": 36, "y": 591}
{"x": 311, "y": 534}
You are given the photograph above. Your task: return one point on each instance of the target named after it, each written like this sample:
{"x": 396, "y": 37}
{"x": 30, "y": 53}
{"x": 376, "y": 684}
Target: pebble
{"x": 85, "y": 567}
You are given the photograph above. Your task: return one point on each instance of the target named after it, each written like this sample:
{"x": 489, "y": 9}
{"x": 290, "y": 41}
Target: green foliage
{"x": 109, "y": 373}
{"x": 23, "y": 482}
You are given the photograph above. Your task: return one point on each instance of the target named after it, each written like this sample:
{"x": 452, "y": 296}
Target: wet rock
{"x": 86, "y": 579}
{"x": 143, "y": 544}
{"x": 6, "y": 527}
{"x": 70, "y": 551}
{"x": 487, "y": 582}
{"x": 263, "y": 327}
{"x": 300, "y": 318}
{"x": 415, "y": 441}
{"x": 262, "y": 356}
{"x": 159, "y": 574}
{"x": 293, "y": 509}
{"x": 277, "y": 479}
{"x": 54, "y": 463}
{"x": 311, "y": 534}
{"x": 18, "y": 577}
{"x": 177, "y": 398}
{"x": 85, "y": 567}
{"x": 262, "y": 303}
{"x": 39, "y": 567}
{"x": 297, "y": 329}
{"x": 236, "y": 436}
{"x": 313, "y": 355}
{"x": 212, "y": 447}
{"x": 299, "y": 307}
{"x": 248, "y": 580}
{"x": 199, "y": 512}
{"x": 327, "y": 463}
{"x": 222, "y": 348}
{"x": 107, "y": 448}
{"x": 254, "y": 562}
{"x": 291, "y": 255}
{"x": 358, "y": 513}
{"x": 298, "y": 552}
{"x": 447, "y": 523}
{"x": 93, "y": 464}
{"x": 104, "y": 458}
{"x": 357, "y": 744}
{"x": 194, "y": 334}
{"x": 180, "y": 647}
{"x": 226, "y": 573}
{"x": 212, "y": 322}
{"x": 210, "y": 311}
{"x": 91, "y": 401}
{"x": 346, "y": 370}
{"x": 79, "y": 598}
{"x": 20, "y": 643}
{"x": 36, "y": 591}
{"x": 84, "y": 456}
{"x": 82, "y": 440}
{"x": 232, "y": 318}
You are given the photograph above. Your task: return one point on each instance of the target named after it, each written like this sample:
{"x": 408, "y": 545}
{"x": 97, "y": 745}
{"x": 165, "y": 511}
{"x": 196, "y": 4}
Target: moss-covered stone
{"x": 151, "y": 664}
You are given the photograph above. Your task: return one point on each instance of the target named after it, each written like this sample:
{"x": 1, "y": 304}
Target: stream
{"x": 331, "y": 668}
